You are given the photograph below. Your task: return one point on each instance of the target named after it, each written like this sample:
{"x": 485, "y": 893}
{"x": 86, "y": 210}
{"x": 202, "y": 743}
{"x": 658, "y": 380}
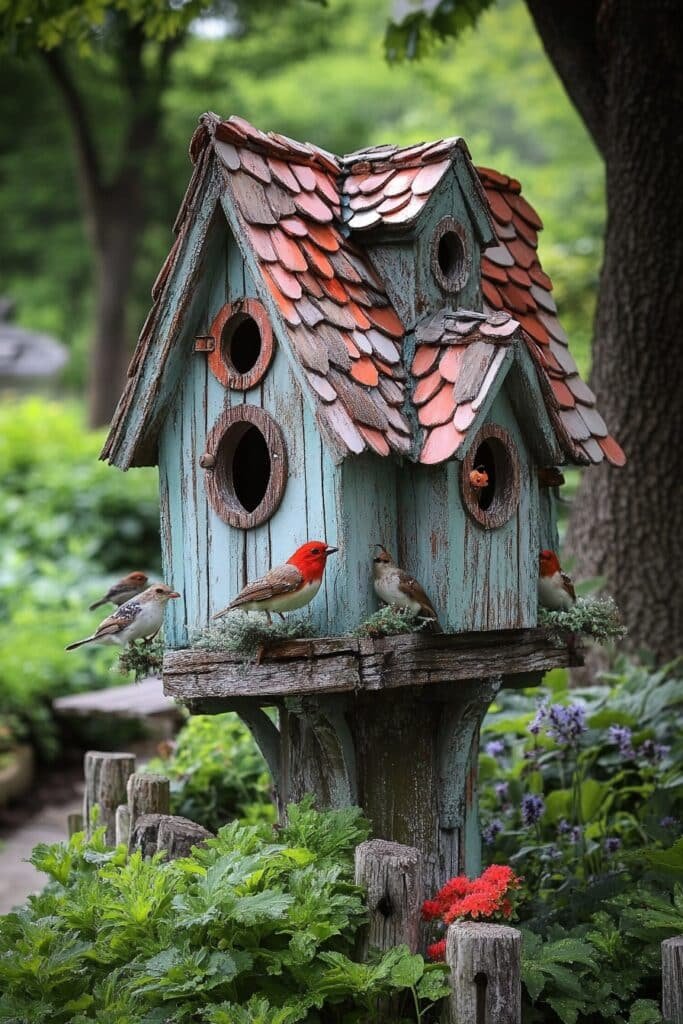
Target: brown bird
{"x": 130, "y": 586}
{"x": 479, "y": 478}
{"x": 397, "y": 587}
{"x": 137, "y": 619}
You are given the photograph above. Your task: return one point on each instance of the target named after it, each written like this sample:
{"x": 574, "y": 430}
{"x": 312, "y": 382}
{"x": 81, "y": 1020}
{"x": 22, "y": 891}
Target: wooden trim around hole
{"x": 221, "y": 443}
{"x": 230, "y": 316}
{"x": 506, "y": 499}
{"x": 450, "y": 282}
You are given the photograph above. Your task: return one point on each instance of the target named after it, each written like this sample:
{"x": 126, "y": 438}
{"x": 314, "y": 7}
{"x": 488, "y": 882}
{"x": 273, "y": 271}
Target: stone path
{"x": 17, "y": 878}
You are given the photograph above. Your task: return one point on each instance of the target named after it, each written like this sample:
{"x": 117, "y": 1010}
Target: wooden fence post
{"x": 106, "y": 775}
{"x": 672, "y": 980}
{"x": 392, "y": 875}
{"x": 122, "y": 824}
{"x": 148, "y": 794}
{"x": 485, "y": 963}
{"x": 74, "y": 824}
{"x": 152, "y": 833}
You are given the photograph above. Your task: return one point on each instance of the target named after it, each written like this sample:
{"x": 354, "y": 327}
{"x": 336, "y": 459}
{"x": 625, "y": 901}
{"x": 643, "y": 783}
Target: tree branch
{"x": 569, "y": 33}
{"x": 86, "y": 152}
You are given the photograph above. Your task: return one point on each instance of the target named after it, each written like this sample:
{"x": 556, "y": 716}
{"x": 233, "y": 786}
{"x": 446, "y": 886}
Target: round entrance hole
{"x": 246, "y": 477}
{"x": 450, "y": 257}
{"x": 241, "y": 343}
{"x": 492, "y": 460}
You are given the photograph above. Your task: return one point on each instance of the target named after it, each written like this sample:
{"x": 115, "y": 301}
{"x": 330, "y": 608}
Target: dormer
{"x": 423, "y": 218}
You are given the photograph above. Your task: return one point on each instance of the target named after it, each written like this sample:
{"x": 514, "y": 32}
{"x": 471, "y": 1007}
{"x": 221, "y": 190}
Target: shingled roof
{"x": 304, "y": 213}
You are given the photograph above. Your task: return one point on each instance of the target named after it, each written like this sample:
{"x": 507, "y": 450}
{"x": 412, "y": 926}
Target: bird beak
{"x": 329, "y": 550}
{"x": 173, "y": 593}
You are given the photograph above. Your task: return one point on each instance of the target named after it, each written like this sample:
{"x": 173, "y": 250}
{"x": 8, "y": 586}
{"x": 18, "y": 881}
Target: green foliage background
{"x": 315, "y": 72}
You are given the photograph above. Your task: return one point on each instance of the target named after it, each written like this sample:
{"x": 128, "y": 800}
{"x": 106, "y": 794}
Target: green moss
{"x": 595, "y": 617}
{"x": 143, "y": 657}
{"x": 246, "y": 635}
{"x": 390, "y": 621}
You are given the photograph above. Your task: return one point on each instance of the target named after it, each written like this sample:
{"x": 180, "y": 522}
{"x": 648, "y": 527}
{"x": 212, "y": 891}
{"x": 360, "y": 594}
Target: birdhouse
{"x": 363, "y": 349}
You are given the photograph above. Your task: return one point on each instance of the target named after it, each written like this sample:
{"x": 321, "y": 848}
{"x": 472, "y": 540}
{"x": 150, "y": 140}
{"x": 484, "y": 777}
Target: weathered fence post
{"x": 74, "y": 824}
{"x": 176, "y": 836}
{"x": 485, "y": 963}
{"x": 392, "y": 875}
{"x": 122, "y": 824}
{"x": 672, "y": 980}
{"x": 106, "y": 775}
{"x": 148, "y": 794}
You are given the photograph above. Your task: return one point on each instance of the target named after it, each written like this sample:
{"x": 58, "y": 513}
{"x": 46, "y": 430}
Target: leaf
{"x": 434, "y": 983}
{"x": 408, "y": 971}
{"x": 645, "y": 1011}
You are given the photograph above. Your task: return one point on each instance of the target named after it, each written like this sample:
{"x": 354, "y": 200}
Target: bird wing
{"x": 568, "y": 585}
{"x": 118, "y": 620}
{"x": 409, "y": 586}
{"x": 284, "y": 579}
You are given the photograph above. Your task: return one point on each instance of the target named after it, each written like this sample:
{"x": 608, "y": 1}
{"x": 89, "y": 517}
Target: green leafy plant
{"x": 217, "y": 773}
{"x": 256, "y": 926}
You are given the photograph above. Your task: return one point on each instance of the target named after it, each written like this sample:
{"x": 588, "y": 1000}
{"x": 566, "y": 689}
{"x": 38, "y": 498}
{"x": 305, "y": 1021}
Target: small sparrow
{"x": 130, "y": 586}
{"x": 479, "y": 478}
{"x": 140, "y": 617}
{"x": 396, "y": 587}
{"x": 288, "y": 586}
{"x": 555, "y": 588}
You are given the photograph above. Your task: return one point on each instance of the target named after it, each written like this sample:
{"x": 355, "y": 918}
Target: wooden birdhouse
{"x": 363, "y": 349}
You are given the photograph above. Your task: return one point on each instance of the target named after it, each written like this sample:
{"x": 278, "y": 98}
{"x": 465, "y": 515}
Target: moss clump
{"x": 142, "y": 657}
{"x": 596, "y": 617}
{"x": 390, "y": 621}
{"x": 248, "y": 636}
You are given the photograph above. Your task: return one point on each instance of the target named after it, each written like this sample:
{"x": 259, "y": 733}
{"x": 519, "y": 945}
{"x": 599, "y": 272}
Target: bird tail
{"x": 79, "y": 643}
{"x": 97, "y": 604}
{"x": 434, "y": 625}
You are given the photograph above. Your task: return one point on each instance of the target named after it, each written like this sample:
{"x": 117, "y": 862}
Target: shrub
{"x": 217, "y": 773}
{"x": 255, "y": 927}
{"x": 67, "y": 528}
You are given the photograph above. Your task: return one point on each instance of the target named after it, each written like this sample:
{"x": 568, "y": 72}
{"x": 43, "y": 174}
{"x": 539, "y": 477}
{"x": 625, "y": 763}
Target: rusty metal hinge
{"x": 204, "y": 343}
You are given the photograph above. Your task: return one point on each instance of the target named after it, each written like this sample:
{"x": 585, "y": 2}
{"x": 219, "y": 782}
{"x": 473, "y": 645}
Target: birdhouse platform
{"x": 390, "y": 724}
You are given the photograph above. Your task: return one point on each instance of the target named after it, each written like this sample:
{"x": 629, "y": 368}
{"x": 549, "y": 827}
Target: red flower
{"x": 486, "y": 896}
{"x": 437, "y": 951}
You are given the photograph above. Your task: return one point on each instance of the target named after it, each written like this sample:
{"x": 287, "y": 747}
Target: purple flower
{"x": 495, "y": 748}
{"x": 501, "y": 791}
{"x": 623, "y": 737}
{"x": 532, "y": 808}
{"x": 668, "y": 822}
{"x": 575, "y": 834}
{"x": 535, "y": 724}
{"x": 553, "y": 853}
{"x": 493, "y": 829}
{"x": 563, "y": 827}
{"x": 612, "y": 844}
{"x": 565, "y": 725}
{"x": 653, "y": 752}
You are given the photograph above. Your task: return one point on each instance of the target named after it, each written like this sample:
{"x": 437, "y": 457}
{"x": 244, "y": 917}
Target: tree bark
{"x": 627, "y": 525}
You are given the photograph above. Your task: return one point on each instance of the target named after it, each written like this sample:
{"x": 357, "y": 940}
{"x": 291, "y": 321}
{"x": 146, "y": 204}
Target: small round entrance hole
{"x": 250, "y": 469}
{"x": 492, "y": 452}
{"x": 450, "y": 255}
{"x": 241, "y": 343}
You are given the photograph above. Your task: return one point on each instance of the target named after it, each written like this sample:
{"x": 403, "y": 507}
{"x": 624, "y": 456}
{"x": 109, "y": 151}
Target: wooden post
{"x": 392, "y": 875}
{"x": 106, "y": 775}
{"x": 174, "y": 835}
{"x": 74, "y": 824}
{"x": 122, "y": 824}
{"x": 672, "y": 980}
{"x": 148, "y": 794}
{"x": 485, "y": 963}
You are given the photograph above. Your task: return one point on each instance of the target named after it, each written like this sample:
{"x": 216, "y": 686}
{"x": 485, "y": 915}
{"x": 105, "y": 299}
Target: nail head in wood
{"x": 485, "y": 963}
{"x": 672, "y": 980}
{"x": 392, "y": 875}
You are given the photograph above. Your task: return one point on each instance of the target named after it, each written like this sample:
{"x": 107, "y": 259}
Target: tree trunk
{"x": 118, "y": 226}
{"x": 627, "y": 524}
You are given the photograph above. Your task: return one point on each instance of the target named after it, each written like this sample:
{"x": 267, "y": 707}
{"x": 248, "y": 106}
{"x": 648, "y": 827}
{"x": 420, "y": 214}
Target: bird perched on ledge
{"x": 130, "y": 586}
{"x": 397, "y": 587}
{"x": 555, "y": 588}
{"x": 286, "y": 587}
{"x": 140, "y": 617}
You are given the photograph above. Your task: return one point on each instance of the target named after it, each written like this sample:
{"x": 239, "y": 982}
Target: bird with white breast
{"x": 286, "y": 587}
{"x": 130, "y": 586}
{"x": 137, "y": 619}
{"x": 398, "y": 588}
{"x": 555, "y": 588}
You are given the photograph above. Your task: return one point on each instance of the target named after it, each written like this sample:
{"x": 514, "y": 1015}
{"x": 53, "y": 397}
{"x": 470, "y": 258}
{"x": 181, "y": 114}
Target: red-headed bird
{"x": 555, "y": 588}
{"x": 140, "y": 617}
{"x": 397, "y": 587}
{"x": 286, "y": 587}
{"x": 130, "y": 586}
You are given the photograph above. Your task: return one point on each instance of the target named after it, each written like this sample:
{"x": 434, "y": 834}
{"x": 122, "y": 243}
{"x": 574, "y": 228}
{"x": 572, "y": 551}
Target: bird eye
{"x": 315, "y": 551}
{"x": 159, "y": 590}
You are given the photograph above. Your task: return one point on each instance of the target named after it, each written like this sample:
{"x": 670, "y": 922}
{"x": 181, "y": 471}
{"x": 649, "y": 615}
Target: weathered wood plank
{"x": 135, "y": 700}
{"x": 485, "y": 962}
{"x": 672, "y": 980}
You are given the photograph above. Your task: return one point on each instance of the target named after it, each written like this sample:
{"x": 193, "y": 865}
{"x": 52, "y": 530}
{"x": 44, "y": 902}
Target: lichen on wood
{"x": 142, "y": 657}
{"x": 390, "y": 621}
{"x": 594, "y": 617}
{"x": 248, "y": 635}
